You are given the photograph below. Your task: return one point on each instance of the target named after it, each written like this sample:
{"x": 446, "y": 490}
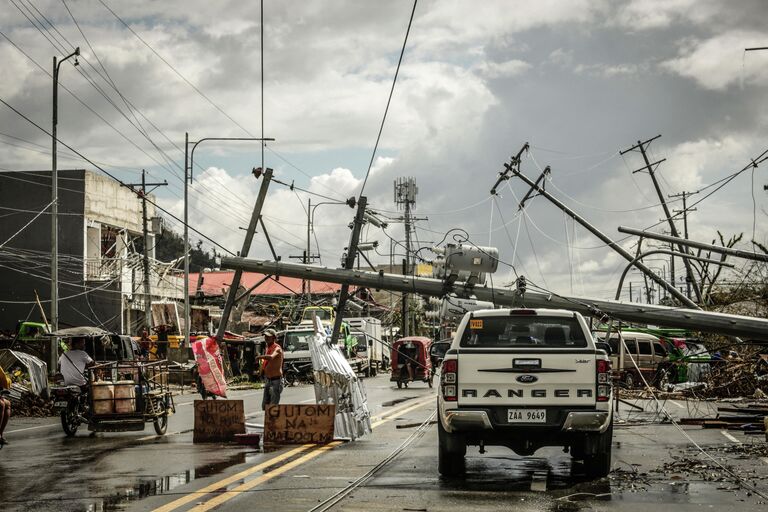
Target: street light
{"x": 188, "y": 176}
{"x": 311, "y": 229}
{"x": 55, "y": 205}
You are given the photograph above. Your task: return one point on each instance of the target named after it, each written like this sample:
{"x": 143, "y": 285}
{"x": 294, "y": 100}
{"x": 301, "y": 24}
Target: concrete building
{"x": 100, "y": 272}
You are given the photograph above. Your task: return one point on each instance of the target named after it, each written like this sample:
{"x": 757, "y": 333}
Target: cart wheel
{"x": 69, "y": 420}
{"x": 161, "y": 421}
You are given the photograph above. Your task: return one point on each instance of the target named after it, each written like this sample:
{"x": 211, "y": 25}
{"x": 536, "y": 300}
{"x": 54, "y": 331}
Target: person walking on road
{"x": 273, "y": 370}
{"x": 5, "y": 405}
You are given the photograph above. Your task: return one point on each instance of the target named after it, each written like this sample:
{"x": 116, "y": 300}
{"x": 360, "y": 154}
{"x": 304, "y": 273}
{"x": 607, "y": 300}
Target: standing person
{"x": 5, "y": 405}
{"x": 145, "y": 343}
{"x": 272, "y": 371}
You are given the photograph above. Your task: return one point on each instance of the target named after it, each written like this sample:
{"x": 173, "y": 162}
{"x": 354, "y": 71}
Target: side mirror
{"x": 605, "y": 347}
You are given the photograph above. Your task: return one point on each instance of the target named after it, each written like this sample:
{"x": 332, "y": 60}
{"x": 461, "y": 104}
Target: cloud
{"x": 720, "y": 61}
{"x": 502, "y": 69}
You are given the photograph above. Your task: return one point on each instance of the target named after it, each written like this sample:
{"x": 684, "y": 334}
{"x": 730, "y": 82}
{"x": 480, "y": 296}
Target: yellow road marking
{"x": 222, "y": 498}
{"x": 218, "y": 500}
{"x": 234, "y": 478}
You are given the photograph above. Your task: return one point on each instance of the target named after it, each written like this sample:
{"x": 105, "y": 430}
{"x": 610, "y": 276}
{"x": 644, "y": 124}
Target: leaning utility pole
{"x": 651, "y": 168}
{"x": 147, "y": 286}
{"x": 349, "y": 264}
{"x": 602, "y": 236}
{"x": 235, "y": 284}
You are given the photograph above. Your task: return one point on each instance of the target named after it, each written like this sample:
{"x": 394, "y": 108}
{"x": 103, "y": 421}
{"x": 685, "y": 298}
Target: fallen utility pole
{"x": 651, "y": 168}
{"x": 698, "y": 245}
{"x": 602, "y": 236}
{"x": 235, "y": 284}
{"x": 705, "y": 321}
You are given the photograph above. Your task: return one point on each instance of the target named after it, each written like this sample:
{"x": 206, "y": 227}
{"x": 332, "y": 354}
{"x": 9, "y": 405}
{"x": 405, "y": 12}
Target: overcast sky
{"x": 578, "y": 80}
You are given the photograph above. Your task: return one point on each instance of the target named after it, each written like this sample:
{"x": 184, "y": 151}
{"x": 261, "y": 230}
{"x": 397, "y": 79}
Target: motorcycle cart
{"x": 120, "y": 396}
{"x": 412, "y": 352}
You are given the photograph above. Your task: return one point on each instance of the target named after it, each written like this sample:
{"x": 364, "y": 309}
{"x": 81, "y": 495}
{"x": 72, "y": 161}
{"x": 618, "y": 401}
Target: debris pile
{"x": 25, "y": 403}
{"x": 749, "y": 418}
{"x": 29, "y": 383}
{"x": 738, "y": 378}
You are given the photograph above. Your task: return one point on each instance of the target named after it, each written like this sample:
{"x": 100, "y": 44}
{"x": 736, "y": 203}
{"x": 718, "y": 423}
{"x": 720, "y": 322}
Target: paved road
{"x": 653, "y": 464}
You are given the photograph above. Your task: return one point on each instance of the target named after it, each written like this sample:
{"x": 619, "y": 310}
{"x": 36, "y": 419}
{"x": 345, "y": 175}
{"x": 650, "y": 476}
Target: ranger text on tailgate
{"x": 524, "y": 379}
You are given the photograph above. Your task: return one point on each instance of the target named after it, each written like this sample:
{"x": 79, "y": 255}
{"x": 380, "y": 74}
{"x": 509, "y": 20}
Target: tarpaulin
{"x": 209, "y": 366}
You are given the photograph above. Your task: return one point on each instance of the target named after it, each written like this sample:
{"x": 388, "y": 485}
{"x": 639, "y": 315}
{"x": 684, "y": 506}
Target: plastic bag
{"x": 209, "y": 366}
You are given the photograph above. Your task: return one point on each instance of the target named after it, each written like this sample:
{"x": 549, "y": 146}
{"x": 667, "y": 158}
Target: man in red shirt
{"x": 273, "y": 370}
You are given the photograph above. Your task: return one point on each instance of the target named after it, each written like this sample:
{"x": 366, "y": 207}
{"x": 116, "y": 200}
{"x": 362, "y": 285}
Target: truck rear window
{"x": 523, "y": 331}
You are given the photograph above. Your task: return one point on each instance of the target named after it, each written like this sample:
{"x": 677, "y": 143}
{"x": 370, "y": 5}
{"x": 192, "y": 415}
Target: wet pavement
{"x": 653, "y": 463}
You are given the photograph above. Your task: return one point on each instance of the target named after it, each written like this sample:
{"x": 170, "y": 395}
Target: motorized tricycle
{"x": 119, "y": 396}
{"x": 411, "y": 361}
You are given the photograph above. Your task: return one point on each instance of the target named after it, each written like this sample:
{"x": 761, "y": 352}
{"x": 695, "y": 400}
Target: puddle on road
{"x": 164, "y": 484}
{"x": 397, "y": 401}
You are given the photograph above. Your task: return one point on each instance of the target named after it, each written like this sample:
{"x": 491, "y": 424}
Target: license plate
{"x": 60, "y": 404}
{"x": 527, "y": 415}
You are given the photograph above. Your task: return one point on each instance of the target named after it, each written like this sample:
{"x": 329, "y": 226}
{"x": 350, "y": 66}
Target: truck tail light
{"x": 449, "y": 380}
{"x": 603, "y": 380}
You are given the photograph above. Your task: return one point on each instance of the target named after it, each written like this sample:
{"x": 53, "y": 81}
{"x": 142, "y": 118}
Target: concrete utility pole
{"x": 705, "y": 321}
{"x": 189, "y": 166}
{"x": 602, "y": 236}
{"x": 145, "y": 230}
{"x": 684, "y": 211}
{"x": 697, "y": 245}
{"x": 405, "y": 197}
{"x": 651, "y": 168}
{"x": 349, "y": 263}
{"x": 232, "y": 294}
{"x": 55, "y": 200}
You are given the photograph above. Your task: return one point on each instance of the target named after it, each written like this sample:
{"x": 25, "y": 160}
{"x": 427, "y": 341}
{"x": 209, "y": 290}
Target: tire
{"x": 599, "y": 464}
{"x": 450, "y": 454}
{"x": 161, "y": 421}
{"x": 69, "y": 420}
{"x": 368, "y": 372}
{"x": 290, "y": 379}
{"x": 374, "y": 371}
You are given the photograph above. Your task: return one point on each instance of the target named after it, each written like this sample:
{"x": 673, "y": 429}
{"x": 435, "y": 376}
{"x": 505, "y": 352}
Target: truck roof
{"x": 509, "y": 311}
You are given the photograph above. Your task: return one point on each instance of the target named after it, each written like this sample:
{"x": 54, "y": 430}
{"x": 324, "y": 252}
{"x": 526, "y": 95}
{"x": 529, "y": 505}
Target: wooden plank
{"x": 298, "y": 424}
{"x": 217, "y": 421}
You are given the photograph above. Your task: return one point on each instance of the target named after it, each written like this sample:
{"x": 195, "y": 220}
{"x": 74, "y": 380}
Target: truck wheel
{"x": 599, "y": 464}
{"x": 450, "y": 454}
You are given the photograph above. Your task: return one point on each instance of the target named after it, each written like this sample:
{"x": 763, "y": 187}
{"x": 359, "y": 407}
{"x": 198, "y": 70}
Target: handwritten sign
{"x": 218, "y": 421}
{"x": 299, "y": 424}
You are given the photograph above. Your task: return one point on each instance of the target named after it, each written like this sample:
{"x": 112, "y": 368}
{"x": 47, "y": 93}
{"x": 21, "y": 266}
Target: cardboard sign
{"x": 298, "y": 424}
{"x": 218, "y": 421}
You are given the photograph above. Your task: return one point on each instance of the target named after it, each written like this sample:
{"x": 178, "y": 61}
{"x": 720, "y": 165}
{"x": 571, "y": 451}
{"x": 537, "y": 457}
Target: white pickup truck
{"x": 524, "y": 379}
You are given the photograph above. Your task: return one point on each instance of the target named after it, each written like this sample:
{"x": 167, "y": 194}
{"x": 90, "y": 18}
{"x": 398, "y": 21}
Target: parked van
{"x": 649, "y": 353}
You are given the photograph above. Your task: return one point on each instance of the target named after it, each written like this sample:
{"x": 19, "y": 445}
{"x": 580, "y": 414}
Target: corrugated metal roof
{"x": 216, "y": 283}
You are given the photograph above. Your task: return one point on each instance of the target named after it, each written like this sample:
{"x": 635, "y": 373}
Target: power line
{"x": 391, "y": 91}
